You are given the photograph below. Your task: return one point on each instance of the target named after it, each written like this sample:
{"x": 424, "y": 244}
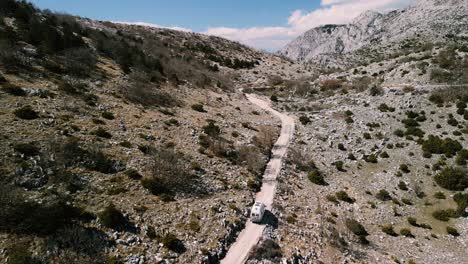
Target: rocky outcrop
{"x": 426, "y": 20}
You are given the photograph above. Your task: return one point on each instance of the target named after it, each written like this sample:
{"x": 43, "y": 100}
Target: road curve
{"x": 249, "y": 237}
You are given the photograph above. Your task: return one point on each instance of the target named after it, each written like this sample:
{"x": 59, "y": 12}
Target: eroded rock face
{"x": 427, "y": 20}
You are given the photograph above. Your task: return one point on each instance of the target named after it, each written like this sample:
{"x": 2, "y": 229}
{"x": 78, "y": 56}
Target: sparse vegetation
{"x": 26, "y": 112}
{"x": 111, "y": 217}
{"x": 452, "y": 178}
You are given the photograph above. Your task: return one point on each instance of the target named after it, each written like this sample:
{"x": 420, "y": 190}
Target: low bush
{"x": 436, "y": 145}
{"x": 404, "y": 168}
{"x": 171, "y": 242}
{"x": 356, "y": 228}
{"x": 462, "y": 203}
{"x": 371, "y": 158}
{"x": 102, "y": 132}
{"x": 304, "y": 120}
{"x": 384, "y": 155}
{"x": 332, "y": 198}
{"x": 212, "y": 130}
{"x": 169, "y": 173}
{"x": 385, "y": 108}
{"x": 343, "y": 196}
{"x": 462, "y": 157}
{"x": 388, "y": 229}
{"x": 452, "y": 178}
{"x": 406, "y": 232}
{"x": 316, "y": 177}
{"x": 108, "y": 115}
{"x": 444, "y": 215}
{"x": 439, "y": 195}
{"x": 198, "y": 108}
{"x": 399, "y": 133}
{"x": 111, "y": 217}
{"x": 133, "y": 174}
{"x": 402, "y": 185}
{"x": 26, "y": 112}
{"x": 367, "y": 136}
{"x": 339, "y": 165}
{"x": 274, "y": 98}
{"x": 19, "y": 253}
{"x": 452, "y": 231}
{"x": 27, "y": 149}
{"x": 13, "y": 90}
{"x": 26, "y": 217}
{"x": 383, "y": 195}
{"x": 267, "y": 250}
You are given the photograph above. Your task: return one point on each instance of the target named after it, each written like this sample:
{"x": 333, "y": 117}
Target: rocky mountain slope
{"x": 427, "y": 21}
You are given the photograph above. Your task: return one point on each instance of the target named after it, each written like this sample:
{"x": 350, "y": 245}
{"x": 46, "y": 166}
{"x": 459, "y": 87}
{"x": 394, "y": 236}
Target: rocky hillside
{"x": 374, "y": 36}
{"x": 124, "y": 144}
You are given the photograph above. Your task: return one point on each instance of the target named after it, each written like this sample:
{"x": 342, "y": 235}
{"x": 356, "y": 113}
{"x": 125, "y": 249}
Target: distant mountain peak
{"x": 426, "y": 20}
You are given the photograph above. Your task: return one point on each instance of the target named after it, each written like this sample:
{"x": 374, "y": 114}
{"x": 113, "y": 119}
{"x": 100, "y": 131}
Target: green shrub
{"x": 316, "y": 177}
{"x": 26, "y": 217}
{"x": 26, "y": 112}
{"x": 462, "y": 203}
{"x": 402, "y": 185}
{"x": 102, "y": 132}
{"x": 108, "y": 115}
{"x": 436, "y": 99}
{"x": 356, "y": 228}
{"x": 439, "y": 195}
{"x": 399, "y": 133}
{"x": 371, "y": 158}
{"x": 452, "y": 178}
{"x": 452, "y": 231}
{"x": 304, "y": 120}
{"x": 349, "y": 120}
{"x": 267, "y": 250}
{"x": 341, "y": 147}
{"x": 343, "y": 196}
{"x": 406, "y": 232}
{"x": 111, "y": 217}
{"x": 133, "y": 174}
{"x": 199, "y": 108}
{"x": 384, "y": 155}
{"x": 383, "y": 195}
{"x": 385, "y": 108}
{"x": 413, "y": 221}
{"x": 19, "y": 254}
{"x": 27, "y": 149}
{"x": 155, "y": 186}
{"x": 404, "y": 168}
{"x": 367, "y": 136}
{"x": 171, "y": 242}
{"x": 212, "y": 130}
{"x": 436, "y": 145}
{"x": 444, "y": 215}
{"x": 332, "y": 198}
{"x": 462, "y": 157}
{"x": 291, "y": 219}
{"x": 388, "y": 229}
{"x": 13, "y": 90}
{"x": 409, "y": 122}
{"x": 339, "y": 165}
{"x": 125, "y": 144}
{"x": 274, "y": 98}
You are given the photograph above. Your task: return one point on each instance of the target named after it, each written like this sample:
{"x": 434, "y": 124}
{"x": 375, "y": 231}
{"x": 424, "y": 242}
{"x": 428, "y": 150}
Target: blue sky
{"x": 196, "y": 15}
{"x": 262, "y": 24}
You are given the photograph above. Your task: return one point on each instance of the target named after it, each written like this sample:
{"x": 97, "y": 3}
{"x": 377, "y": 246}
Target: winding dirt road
{"x": 249, "y": 237}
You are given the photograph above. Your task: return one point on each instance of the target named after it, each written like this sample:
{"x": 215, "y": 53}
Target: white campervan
{"x": 257, "y": 212}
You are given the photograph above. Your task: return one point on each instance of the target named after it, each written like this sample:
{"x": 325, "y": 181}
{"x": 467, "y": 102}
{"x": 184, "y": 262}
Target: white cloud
{"x": 330, "y": 12}
{"x": 155, "y": 26}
